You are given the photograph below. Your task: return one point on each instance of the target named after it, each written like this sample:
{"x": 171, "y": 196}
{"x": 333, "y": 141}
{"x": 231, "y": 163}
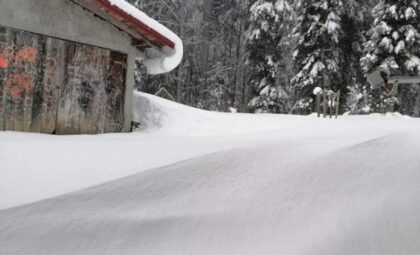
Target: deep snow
{"x": 197, "y": 182}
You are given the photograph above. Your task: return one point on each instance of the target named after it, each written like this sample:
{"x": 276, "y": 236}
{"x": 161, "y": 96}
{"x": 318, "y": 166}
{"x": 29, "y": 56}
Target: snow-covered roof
{"x": 163, "y": 48}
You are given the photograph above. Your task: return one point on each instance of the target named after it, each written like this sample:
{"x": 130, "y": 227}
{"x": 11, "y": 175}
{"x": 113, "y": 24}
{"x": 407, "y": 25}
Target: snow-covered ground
{"x": 197, "y": 182}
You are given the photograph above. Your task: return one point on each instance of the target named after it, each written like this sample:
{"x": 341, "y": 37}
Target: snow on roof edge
{"x": 169, "y": 59}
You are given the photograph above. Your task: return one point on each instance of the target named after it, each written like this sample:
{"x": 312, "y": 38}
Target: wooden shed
{"x": 67, "y": 66}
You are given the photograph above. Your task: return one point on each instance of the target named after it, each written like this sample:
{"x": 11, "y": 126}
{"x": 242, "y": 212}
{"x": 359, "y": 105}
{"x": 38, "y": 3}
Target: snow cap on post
{"x": 317, "y": 91}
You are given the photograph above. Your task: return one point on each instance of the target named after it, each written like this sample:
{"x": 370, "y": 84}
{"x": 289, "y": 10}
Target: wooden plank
{"x": 109, "y": 99}
{"x": 53, "y": 78}
{"x": 75, "y": 83}
{"x": 64, "y": 125}
{"x": 121, "y": 73}
{"x": 4, "y": 63}
{"x": 22, "y": 80}
{"x": 33, "y": 110}
{"x": 73, "y": 114}
{"x": 11, "y": 92}
{"x": 121, "y": 101}
{"x": 115, "y": 89}
{"x": 101, "y": 100}
{"x": 86, "y": 87}
{"x": 98, "y": 81}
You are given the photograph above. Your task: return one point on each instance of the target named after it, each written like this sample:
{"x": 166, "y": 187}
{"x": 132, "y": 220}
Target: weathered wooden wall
{"x": 48, "y": 85}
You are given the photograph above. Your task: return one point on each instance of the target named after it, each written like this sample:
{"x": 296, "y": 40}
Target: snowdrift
{"x": 53, "y": 166}
{"x": 159, "y": 115}
{"x": 278, "y": 185}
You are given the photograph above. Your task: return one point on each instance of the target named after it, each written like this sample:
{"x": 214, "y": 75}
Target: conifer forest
{"x": 268, "y": 56}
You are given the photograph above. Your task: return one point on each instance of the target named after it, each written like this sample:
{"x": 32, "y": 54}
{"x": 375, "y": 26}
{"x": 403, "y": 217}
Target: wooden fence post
{"x": 337, "y": 106}
{"x": 324, "y": 104}
{"x": 331, "y": 100}
{"x": 318, "y": 104}
{"x": 330, "y": 104}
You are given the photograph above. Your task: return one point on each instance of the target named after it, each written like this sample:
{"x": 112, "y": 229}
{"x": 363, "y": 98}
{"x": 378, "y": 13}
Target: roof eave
{"x": 137, "y": 29}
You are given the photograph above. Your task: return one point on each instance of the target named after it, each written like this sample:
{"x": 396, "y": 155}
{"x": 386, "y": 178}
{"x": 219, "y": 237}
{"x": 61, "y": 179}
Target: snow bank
{"x": 170, "y": 133}
{"x": 37, "y": 167}
{"x": 156, "y": 62}
{"x": 240, "y": 184}
{"x": 159, "y": 115}
{"x": 57, "y": 165}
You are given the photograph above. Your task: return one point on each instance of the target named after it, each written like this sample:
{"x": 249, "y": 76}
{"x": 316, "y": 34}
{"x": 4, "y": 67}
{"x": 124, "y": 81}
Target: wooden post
{"x": 381, "y": 105}
{"x": 331, "y": 100}
{"x": 318, "y": 104}
{"x": 337, "y": 106}
{"x": 324, "y": 104}
{"x": 391, "y": 107}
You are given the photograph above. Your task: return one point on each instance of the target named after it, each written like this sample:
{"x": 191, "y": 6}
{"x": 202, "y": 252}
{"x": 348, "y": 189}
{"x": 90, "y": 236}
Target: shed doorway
{"x": 54, "y": 86}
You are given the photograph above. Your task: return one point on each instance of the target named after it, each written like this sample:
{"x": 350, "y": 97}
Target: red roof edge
{"x": 143, "y": 28}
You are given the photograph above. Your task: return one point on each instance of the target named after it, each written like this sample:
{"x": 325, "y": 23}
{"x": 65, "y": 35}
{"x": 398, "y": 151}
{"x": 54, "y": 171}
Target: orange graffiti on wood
{"x": 28, "y": 54}
{"x": 3, "y": 61}
{"x": 16, "y": 93}
{"x": 19, "y": 83}
{"x": 23, "y": 80}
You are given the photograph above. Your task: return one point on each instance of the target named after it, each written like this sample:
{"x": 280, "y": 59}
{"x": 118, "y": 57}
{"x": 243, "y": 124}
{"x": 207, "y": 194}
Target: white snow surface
{"x": 198, "y": 182}
{"x": 156, "y": 62}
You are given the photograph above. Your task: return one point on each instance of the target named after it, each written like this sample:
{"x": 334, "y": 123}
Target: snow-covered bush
{"x": 358, "y": 100}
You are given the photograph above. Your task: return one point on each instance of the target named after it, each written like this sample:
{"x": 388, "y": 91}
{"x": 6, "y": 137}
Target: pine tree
{"x": 394, "y": 44}
{"x": 352, "y": 20}
{"x": 356, "y": 21}
{"x": 267, "y": 32}
{"x": 317, "y": 56}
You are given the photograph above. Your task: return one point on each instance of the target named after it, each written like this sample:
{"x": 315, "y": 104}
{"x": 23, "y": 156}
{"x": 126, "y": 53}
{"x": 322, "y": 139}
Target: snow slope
{"x": 235, "y": 184}
{"x": 53, "y": 166}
